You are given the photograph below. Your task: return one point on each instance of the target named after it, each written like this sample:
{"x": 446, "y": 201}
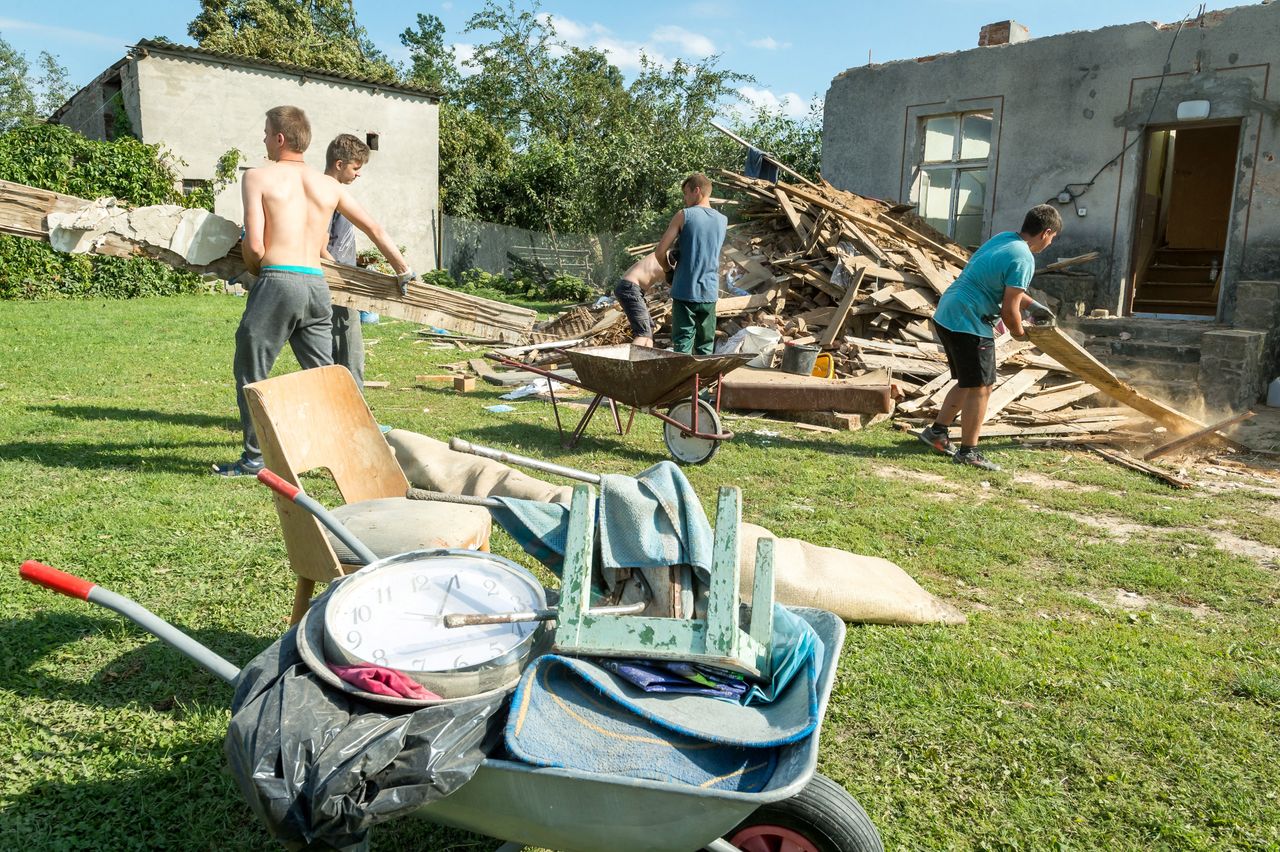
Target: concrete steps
{"x": 1159, "y": 357}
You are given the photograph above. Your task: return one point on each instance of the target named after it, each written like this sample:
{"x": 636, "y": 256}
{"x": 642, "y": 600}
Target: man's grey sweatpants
{"x": 283, "y": 307}
{"x": 348, "y": 342}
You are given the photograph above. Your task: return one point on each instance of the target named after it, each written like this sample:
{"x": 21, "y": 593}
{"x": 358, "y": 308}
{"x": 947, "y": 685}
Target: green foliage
{"x": 17, "y": 102}
{"x": 321, "y": 34}
{"x": 23, "y": 98}
{"x": 520, "y": 284}
{"x": 224, "y": 174}
{"x": 54, "y": 157}
{"x": 431, "y": 62}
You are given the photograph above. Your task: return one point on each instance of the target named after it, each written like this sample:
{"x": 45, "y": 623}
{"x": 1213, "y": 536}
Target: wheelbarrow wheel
{"x": 684, "y": 447}
{"x": 822, "y": 817}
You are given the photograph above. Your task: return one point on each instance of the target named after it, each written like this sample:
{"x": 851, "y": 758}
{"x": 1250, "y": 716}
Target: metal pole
{"x": 460, "y": 446}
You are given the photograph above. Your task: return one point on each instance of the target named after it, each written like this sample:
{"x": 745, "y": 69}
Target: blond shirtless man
{"x": 287, "y": 210}
{"x": 630, "y": 292}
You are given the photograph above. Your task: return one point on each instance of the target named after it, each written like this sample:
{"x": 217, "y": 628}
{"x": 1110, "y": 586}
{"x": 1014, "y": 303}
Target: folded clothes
{"x": 383, "y": 681}
{"x": 671, "y": 676}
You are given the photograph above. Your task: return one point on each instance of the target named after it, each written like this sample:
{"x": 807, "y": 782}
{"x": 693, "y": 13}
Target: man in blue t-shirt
{"x": 993, "y": 286}
{"x": 696, "y": 285}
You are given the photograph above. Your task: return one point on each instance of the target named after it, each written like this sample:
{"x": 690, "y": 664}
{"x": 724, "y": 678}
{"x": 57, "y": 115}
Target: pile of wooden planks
{"x": 861, "y": 278}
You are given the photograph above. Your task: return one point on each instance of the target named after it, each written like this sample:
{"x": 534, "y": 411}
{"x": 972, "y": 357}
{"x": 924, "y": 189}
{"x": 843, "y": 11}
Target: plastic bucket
{"x": 825, "y": 366}
{"x": 799, "y": 359}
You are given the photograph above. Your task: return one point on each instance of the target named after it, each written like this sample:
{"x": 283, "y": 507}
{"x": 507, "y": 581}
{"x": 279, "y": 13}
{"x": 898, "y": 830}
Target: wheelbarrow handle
{"x": 73, "y": 586}
{"x": 291, "y": 492}
{"x": 59, "y": 581}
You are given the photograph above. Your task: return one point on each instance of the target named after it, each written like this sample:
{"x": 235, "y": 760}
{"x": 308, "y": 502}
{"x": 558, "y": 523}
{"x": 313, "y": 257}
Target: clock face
{"x": 392, "y": 613}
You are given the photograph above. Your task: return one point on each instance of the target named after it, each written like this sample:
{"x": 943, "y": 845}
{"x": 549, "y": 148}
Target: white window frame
{"x": 915, "y": 166}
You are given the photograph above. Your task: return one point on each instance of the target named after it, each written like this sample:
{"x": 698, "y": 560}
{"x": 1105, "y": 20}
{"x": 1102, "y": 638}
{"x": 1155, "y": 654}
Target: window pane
{"x": 939, "y": 138}
{"x": 935, "y": 198}
{"x": 971, "y": 196}
{"x": 975, "y": 143}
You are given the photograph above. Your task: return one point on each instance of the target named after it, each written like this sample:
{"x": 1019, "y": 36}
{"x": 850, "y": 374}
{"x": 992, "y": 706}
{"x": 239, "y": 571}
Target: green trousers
{"x": 693, "y": 327}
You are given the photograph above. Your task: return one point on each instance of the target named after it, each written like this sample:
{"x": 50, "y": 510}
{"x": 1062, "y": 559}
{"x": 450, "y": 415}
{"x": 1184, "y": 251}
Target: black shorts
{"x": 972, "y": 358}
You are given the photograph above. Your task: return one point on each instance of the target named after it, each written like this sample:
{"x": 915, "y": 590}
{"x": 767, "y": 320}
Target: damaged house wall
{"x": 199, "y": 104}
{"x": 1063, "y": 106}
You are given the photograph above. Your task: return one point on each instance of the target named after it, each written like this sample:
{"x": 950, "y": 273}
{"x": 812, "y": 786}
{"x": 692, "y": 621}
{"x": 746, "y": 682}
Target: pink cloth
{"x": 383, "y": 681}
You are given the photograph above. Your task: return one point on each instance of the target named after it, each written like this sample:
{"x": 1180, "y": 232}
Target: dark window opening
{"x": 371, "y": 139}
{"x": 190, "y": 186}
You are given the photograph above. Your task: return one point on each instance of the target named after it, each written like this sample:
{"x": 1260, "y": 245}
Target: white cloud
{"x": 790, "y": 104}
{"x": 82, "y": 36}
{"x": 461, "y": 53}
{"x": 770, "y": 43}
{"x": 626, "y": 53}
{"x": 689, "y": 43}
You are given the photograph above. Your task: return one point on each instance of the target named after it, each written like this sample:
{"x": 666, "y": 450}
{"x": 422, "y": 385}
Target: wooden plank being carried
{"x": 23, "y": 212}
{"x": 1072, "y": 356}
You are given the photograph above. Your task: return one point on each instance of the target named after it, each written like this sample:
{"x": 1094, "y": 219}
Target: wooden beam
{"x": 842, "y": 311}
{"x": 23, "y": 212}
{"x": 1188, "y": 440}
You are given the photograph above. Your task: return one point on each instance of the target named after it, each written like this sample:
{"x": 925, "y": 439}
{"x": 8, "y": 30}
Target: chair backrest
{"x": 318, "y": 419}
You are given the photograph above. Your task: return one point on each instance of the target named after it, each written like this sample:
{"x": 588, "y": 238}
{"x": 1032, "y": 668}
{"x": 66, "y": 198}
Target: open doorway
{"x": 1183, "y": 212}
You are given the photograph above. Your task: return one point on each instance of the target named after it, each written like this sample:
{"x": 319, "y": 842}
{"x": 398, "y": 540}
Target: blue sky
{"x": 791, "y": 63}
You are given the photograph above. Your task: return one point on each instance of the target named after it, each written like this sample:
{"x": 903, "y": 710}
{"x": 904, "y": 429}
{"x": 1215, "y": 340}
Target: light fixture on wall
{"x": 1192, "y": 110}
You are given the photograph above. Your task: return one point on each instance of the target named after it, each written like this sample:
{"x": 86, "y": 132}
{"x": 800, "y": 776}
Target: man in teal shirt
{"x": 696, "y": 285}
{"x": 993, "y": 286}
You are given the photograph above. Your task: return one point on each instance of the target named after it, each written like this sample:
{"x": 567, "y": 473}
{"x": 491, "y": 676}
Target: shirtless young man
{"x": 630, "y": 293}
{"x": 287, "y": 210}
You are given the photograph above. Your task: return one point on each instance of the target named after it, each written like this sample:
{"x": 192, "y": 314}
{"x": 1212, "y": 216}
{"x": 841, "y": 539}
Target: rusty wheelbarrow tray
{"x": 646, "y": 380}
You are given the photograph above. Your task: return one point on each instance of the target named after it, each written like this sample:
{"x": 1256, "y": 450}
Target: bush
{"x": 49, "y": 156}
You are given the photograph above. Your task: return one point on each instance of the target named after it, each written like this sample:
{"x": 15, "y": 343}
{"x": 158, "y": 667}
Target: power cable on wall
{"x": 1068, "y": 193}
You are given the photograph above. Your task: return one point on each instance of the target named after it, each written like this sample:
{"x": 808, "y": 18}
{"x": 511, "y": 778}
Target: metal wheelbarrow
{"x": 647, "y": 380}
{"x": 800, "y": 810}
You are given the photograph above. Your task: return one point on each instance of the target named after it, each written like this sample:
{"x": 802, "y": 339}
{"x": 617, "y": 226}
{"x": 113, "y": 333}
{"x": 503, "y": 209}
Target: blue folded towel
{"x": 651, "y": 520}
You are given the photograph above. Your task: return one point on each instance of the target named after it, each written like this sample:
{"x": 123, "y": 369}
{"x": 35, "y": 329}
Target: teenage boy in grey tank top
{"x": 698, "y": 231}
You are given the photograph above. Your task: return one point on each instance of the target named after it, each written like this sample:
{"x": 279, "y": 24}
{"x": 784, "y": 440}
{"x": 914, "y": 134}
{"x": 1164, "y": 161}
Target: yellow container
{"x": 825, "y": 366}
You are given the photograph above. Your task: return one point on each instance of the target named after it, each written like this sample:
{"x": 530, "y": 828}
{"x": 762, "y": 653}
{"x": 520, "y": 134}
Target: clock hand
{"x": 452, "y": 582}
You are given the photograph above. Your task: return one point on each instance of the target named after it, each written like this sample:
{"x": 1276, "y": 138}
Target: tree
{"x": 321, "y": 34}
{"x": 53, "y": 87}
{"x": 17, "y": 102}
{"x": 432, "y": 64}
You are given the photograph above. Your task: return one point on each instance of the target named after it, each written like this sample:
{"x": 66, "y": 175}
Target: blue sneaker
{"x": 240, "y": 467}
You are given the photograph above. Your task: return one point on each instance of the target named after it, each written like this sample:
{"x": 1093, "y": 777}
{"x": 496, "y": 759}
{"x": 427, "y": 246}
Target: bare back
{"x": 645, "y": 272}
{"x": 293, "y": 204}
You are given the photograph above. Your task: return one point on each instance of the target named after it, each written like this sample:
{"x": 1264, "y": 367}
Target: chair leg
{"x": 302, "y": 599}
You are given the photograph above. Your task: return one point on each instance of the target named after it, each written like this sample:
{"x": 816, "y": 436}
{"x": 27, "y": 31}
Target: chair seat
{"x": 394, "y": 525}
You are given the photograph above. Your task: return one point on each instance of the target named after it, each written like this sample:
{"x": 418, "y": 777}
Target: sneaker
{"x": 939, "y": 439}
{"x": 239, "y": 467}
{"x": 974, "y": 458}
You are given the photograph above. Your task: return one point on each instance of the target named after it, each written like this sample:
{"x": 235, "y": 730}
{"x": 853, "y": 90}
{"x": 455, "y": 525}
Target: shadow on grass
{"x": 533, "y": 439}
{"x": 139, "y": 415}
{"x": 154, "y": 675}
{"x": 113, "y": 456}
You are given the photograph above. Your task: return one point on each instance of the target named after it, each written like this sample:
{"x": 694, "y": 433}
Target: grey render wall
{"x": 1064, "y": 106}
{"x": 200, "y": 108}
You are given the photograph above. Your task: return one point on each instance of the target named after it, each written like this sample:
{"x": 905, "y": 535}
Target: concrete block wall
{"x": 1232, "y": 368}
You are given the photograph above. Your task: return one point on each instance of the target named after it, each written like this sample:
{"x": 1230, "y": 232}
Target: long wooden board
{"x": 23, "y": 210}
{"x": 1071, "y": 355}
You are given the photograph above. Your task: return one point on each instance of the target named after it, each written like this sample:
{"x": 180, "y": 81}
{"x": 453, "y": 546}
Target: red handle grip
{"x": 60, "y": 581}
{"x": 278, "y": 485}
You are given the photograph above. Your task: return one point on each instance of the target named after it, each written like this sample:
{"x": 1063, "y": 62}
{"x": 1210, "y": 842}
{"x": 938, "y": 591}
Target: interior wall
{"x": 1204, "y": 170}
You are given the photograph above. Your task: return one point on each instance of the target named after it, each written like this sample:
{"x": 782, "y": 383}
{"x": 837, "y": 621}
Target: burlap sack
{"x": 856, "y": 588}
{"x": 430, "y": 464}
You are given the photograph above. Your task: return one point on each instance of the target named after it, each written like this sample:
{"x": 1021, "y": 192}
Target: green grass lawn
{"x": 1117, "y": 685}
